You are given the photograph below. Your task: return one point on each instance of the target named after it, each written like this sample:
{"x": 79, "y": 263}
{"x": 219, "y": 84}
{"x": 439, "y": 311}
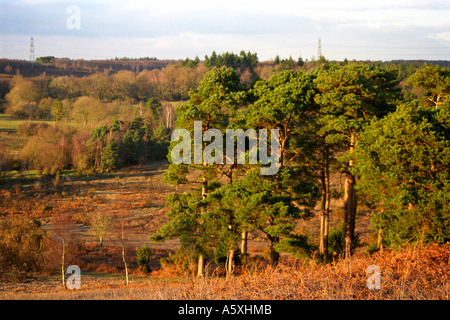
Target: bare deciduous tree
{"x": 63, "y": 229}
{"x": 100, "y": 226}
{"x": 120, "y": 233}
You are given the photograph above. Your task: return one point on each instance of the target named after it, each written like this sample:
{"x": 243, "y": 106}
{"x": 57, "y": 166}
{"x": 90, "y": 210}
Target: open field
{"x": 9, "y": 137}
{"x": 9, "y": 123}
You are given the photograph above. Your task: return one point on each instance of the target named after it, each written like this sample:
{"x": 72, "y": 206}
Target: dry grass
{"x": 414, "y": 272}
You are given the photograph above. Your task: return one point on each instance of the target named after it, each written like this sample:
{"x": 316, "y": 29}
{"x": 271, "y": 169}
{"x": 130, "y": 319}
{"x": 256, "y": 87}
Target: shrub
{"x": 20, "y": 246}
{"x": 180, "y": 262}
{"x": 336, "y": 238}
{"x": 31, "y": 128}
{"x": 143, "y": 258}
{"x": 49, "y": 150}
{"x": 299, "y": 245}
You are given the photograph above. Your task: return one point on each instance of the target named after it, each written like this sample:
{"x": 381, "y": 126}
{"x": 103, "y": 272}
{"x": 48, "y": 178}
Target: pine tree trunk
{"x": 325, "y": 214}
{"x": 380, "y": 239}
{"x": 244, "y": 240}
{"x": 201, "y": 260}
{"x": 322, "y": 216}
{"x": 274, "y": 255}
{"x": 327, "y": 199}
{"x": 349, "y": 202}
{"x": 201, "y": 264}
{"x": 230, "y": 262}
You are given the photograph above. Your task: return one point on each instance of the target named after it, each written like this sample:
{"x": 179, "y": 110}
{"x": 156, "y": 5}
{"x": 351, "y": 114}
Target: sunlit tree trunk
{"x": 350, "y": 201}
{"x": 201, "y": 259}
{"x": 63, "y": 262}
{"x": 229, "y": 264}
{"x": 122, "y": 242}
{"x": 244, "y": 240}
{"x": 325, "y": 214}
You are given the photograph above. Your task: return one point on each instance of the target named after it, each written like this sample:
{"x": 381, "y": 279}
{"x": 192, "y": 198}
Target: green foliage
{"x": 57, "y": 109}
{"x": 181, "y": 260}
{"x": 336, "y": 238}
{"x": 350, "y": 96}
{"x": 299, "y": 245}
{"x": 435, "y": 81}
{"x": 218, "y": 94}
{"x": 286, "y": 64}
{"x": 159, "y": 142}
{"x": 255, "y": 202}
{"x": 403, "y": 164}
{"x": 231, "y": 60}
{"x": 143, "y": 258}
{"x": 46, "y": 60}
{"x": 110, "y": 159}
{"x": 176, "y": 174}
{"x": 153, "y": 109}
{"x": 132, "y": 147}
{"x": 100, "y": 133}
{"x": 190, "y": 63}
{"x": 213, "y": 102}
{"x": 185, "y": 213}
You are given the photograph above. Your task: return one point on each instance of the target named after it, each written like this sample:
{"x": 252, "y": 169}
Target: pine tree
{"x": 110, "y": 159}
{"x": 349, "y": 97}
{"x": 212, "y": 102}
{"x": 403, "y": 160}
{"x": 254, "y": 203}
{"x": 286, "y": 102}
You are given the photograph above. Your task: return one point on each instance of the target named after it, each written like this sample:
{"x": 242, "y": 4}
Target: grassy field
{"x": 10, "y": 123}
{"x": 9, "y": 138}
{"x": 14, "y": 141}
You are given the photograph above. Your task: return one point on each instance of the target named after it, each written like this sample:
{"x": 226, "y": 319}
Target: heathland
{"x": 86, "y": 179}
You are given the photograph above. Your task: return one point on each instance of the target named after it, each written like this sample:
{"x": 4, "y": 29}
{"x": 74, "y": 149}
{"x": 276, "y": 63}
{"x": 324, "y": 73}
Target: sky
{"x": 172, "y": 29}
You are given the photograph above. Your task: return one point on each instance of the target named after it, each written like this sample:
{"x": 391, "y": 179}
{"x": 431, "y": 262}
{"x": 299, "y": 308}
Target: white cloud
{"x": 445, "y": 36}
{"x": 176, "y": 29}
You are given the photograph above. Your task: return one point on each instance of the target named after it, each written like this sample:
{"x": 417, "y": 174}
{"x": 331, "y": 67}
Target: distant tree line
{"x": 232, "y": 60}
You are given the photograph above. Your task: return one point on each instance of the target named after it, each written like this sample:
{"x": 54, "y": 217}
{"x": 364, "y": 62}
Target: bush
{"x": 20, "y": 246}
{"x": 336, "y": 238}
{"x": 299, "y": 245}
{"x": 49, "y": 150}
{"x": 180, "y": 262}
{"x": 31, "y": 128}
{"x": 4, "y": 161}
{"x": 143, "y": 258}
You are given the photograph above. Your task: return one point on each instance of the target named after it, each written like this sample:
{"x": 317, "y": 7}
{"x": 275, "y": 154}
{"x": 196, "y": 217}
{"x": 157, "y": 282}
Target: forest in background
{"x": 383, "y": 126}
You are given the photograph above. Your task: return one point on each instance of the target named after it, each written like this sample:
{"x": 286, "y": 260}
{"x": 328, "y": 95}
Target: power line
{"x": 384, "y": 47}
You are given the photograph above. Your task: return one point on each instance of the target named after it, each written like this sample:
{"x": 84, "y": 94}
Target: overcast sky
{"x": 169, "y": 29}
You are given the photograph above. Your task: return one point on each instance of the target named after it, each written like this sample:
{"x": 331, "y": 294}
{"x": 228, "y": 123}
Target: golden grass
{"x": 410, "y": 273}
